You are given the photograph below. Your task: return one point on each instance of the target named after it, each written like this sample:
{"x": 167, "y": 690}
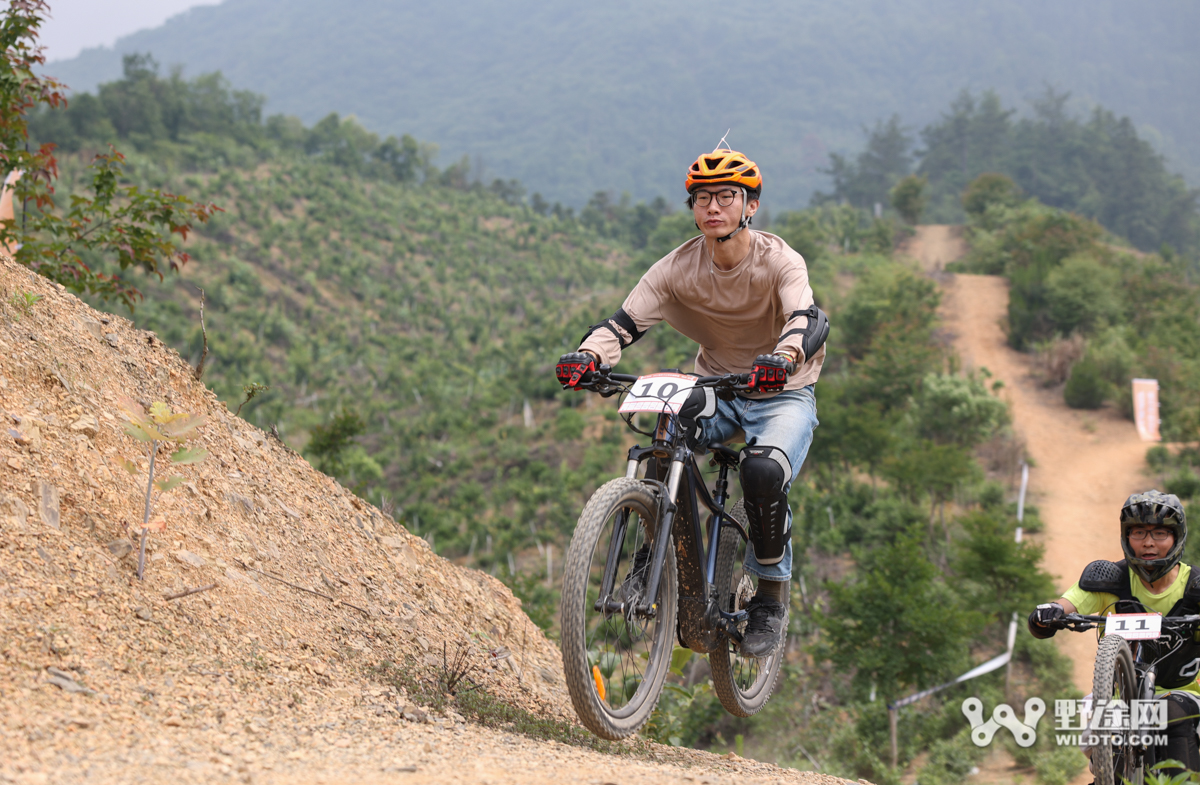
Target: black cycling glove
{"x": 1046, "y": 620}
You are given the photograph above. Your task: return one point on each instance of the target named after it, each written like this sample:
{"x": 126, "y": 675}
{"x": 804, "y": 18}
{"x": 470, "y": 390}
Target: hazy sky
{"x": 78, "y": 24}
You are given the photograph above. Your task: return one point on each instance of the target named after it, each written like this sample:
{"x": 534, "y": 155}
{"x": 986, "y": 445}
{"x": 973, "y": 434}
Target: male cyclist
{"x": 1150, "y": 578}
{"x": 744, "y": 296}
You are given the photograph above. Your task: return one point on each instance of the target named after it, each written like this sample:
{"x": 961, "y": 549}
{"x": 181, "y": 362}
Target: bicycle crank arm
{"x": 728, "y": 625}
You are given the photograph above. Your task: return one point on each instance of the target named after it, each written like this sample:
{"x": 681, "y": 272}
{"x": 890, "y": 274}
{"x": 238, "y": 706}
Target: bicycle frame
{"x": 702, "y": 624}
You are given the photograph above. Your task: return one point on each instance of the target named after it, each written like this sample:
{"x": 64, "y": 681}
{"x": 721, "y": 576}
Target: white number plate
{"x": 659, "y": 392}
{"x": 1134, "y": 626}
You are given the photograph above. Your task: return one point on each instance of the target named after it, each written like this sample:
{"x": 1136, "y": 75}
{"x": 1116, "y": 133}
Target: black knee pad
{"x": 765, "y": 473}
{"x": 1181, "y": 714}
{"x": 1181, "y": 734}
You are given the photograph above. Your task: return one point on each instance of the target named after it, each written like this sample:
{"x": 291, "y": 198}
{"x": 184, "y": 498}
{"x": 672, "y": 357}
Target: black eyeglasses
{"x": 1158, "y": 535}
{"x": 704, "y": 198}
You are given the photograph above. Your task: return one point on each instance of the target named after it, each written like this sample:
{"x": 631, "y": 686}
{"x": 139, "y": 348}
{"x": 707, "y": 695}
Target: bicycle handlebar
{"x": 1076, "y": 622}
{"x": 604, "y": 380}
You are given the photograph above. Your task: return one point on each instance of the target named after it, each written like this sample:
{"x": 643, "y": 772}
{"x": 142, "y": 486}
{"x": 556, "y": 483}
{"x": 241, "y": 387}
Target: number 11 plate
{"x": 659, "y": 392}
{"x": 1134, "y": 626}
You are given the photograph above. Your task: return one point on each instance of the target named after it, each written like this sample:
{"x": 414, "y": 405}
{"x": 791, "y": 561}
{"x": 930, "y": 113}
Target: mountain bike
{"x": 1127, "y": 670}
{"x": 643, "y": 569}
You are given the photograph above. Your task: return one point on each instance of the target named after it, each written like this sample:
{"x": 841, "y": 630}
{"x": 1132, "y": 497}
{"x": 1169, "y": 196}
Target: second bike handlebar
{"x": 1077, "y": 622}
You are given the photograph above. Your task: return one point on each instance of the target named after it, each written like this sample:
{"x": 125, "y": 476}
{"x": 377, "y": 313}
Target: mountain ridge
{"x": 617, "y": 97}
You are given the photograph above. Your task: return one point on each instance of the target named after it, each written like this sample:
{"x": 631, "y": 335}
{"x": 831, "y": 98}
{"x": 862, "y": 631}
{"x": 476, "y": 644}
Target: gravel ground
{"x": 75, "y": 739}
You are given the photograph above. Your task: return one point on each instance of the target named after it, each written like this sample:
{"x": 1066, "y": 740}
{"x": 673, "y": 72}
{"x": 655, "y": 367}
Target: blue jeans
{"x": 785, "y": 421}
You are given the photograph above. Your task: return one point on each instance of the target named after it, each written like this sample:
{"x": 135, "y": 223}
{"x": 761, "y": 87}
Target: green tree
{"x": 923, "y": 468}
{"x": 908, "y": 198}
{"x": 996, "y": 574}
{"x": 990, "y": 189}
{"x": 973, "y": 137}
{"x": 896, "y": 625}
{"x": 870, "y": 176}
{"x": 330, "y": 443}
{"x": 131, "y": 225}
{"x": 954, "y": 409}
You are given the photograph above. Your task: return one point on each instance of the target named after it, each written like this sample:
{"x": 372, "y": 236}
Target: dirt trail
{"x": 1085, "y": 463}
{"x": 935, "y": 245}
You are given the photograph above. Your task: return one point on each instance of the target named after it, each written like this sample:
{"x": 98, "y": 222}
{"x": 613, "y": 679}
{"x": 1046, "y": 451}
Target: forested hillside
{"x": 406, "y": 319}
{"x": 575, "y": 98}
{"x": 1097, "y": 166}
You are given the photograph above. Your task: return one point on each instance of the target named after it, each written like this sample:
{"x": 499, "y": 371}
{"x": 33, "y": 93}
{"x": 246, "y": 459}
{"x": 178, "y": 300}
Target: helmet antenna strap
{"x": 723, "y": 145}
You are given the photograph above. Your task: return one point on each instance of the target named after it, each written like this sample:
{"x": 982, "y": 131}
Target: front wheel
{"x": 743, "y": 684}
{"x": 615, "y": 662}
{"x": 1114, "y": 679}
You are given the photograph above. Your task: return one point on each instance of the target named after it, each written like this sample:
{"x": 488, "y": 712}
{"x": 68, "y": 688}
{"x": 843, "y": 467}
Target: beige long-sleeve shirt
{"x": 734, "y": 315}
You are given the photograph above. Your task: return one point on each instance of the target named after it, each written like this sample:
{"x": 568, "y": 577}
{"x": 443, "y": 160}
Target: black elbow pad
{"x": 622, "y": 320}
{"x": 813, "y": 334}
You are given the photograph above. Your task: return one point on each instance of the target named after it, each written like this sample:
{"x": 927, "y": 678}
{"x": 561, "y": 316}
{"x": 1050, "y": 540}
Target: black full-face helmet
{"x": 1153, "y": 508}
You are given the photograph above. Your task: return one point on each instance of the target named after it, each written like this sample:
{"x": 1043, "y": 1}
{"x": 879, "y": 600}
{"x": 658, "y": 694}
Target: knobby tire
{"x": 1114, "y": 677}
{"x": 743, "y": 684}
{"x": 637, "y": 657}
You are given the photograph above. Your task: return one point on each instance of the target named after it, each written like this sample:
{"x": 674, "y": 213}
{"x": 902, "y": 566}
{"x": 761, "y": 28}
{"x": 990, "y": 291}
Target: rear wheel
{"x": 1114, "y": 679}
{"x": 615, "y": 662}
{"x": 743, "y": 684}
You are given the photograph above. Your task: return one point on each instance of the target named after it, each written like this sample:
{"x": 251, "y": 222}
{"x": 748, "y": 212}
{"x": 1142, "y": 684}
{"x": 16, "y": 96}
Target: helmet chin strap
{"x": 742, "y": 224}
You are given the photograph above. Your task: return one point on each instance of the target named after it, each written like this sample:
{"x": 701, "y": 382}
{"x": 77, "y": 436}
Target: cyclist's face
{"x": 717, "y": 220}
{"x": 1147, "y": 547}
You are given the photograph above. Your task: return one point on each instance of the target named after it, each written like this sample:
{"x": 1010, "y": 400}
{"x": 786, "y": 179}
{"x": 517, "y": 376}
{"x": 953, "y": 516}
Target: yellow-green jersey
{"x": 1100, "y": 603}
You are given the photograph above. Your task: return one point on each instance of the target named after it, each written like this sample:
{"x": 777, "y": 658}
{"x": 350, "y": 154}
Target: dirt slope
{"x": 1085, "y": 463}
{"x": 104, "y": 679}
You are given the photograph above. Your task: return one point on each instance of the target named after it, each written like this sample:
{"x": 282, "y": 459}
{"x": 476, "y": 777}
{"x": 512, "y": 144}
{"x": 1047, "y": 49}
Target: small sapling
{"x": 160, "y": 426}
{"x": 24, "y": 302}
{"x": 251, "y": 390}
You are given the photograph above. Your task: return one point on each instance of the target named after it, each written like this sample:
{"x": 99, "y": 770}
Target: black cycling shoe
{"x": 634, "y": 585}
{"x": 766, "y": 628}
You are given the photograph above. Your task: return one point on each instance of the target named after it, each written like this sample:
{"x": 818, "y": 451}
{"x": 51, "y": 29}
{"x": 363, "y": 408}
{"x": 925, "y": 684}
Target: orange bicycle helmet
{"x": 726, "y": 166}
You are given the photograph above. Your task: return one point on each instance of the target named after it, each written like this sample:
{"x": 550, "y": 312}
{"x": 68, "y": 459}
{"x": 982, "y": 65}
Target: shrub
{"x": 1158, "y": 458}
{"x": 1086, "y": 387}
{"x": 569, "y": 424}
{"x": 989, "y": 189}
{"x": 1184, "y": 484}
{"x": 1054, "y": 358}
{"x": 950, "y": 761}
{"x": 908, "y": 197}
{"x": 958, "y": 410}
{"x": 1058, "y": 765}
{"x": 1083, "y": 294}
